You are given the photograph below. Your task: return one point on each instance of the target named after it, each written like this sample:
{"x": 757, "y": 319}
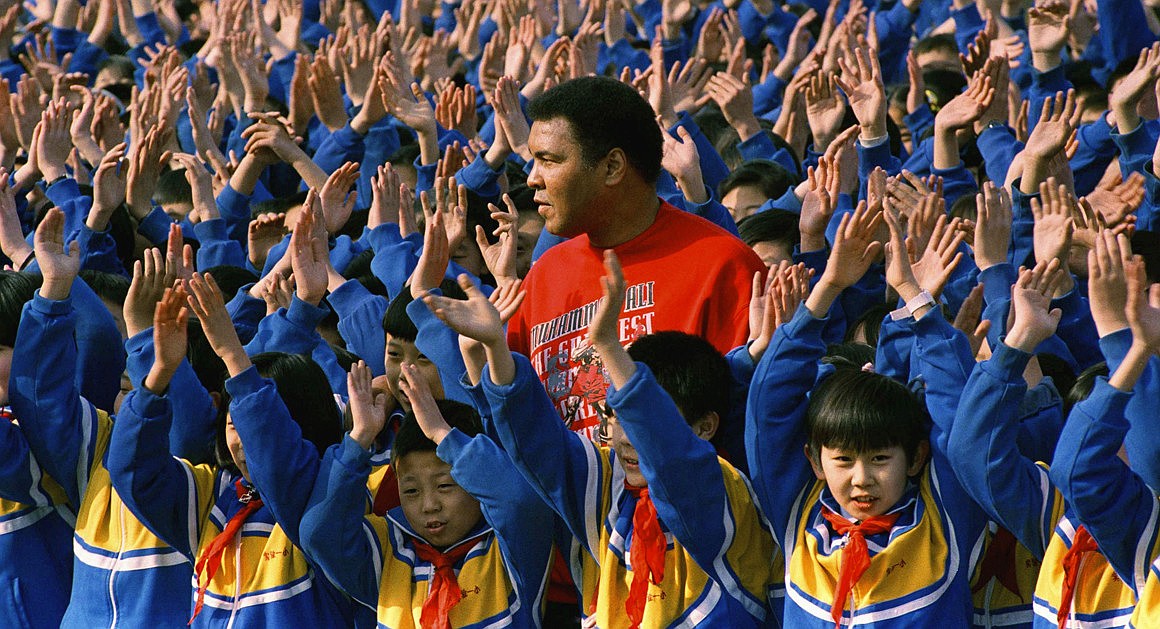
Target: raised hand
{"x": 309, "y": 253}
{"x": 59, "y": 264}
{"x": 264, "y": 232}
{"x": 1035, "y": 320}
{"x": 1048, "y": 25}
{"x": 476, "y": 318}
{"x": 969, "y": 319}
{"x": 336, "y": 197}
{"x": 966, "y": 108}
{"x": 423, "y": 405}
{"x": 208, "y": 304}
{"x": 201, "y": 184}
{"x": 1133, "y": 87}
{"x": 150, "y": 279}
{"x": 937, "y": 260}
{"x": 146, "y": 158}
{"x": 500, "y": 257}
{"x": 326, "y": 94}
{"x": 368, "y": 408}
{"x": 108, "y": 188}
{"x": 1058, "y": 120}
{"x": 866, "y": 93}
{"x": 169, "y": 339}
{"x": 818, "y": 205}
{"x": 735, "y": 98}
{"x": 1143, "y": 307}
{"x": 993, "y": 226}
{"x": 855, "y": 247}
{"x": 825, "y": 109}
{"x": 1108, "y": 282}
{"x": 679, "y": 157}
{"x": 432, "y": 266}
{"x": 1051, "y": 237}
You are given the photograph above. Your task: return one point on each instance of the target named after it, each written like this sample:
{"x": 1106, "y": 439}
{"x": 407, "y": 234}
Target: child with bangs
{"x": 665, "y": 532}
{"x": 875, "y": 528}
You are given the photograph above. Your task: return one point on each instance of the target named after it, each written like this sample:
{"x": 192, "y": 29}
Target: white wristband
{"x": 918, "y": 301}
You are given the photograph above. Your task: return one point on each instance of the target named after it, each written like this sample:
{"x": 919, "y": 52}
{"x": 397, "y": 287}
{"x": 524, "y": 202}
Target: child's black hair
{"x": 359, "y": 268}
{"x": 231, "y": 278}
{"x": 398, "y": 324}
{"x": 772, "y": 178}
{"x": 277, "y": 205}
{"x": 689, "y": 369}
{"x": 303, "y": 387}
{"x": 942, "y": 86}
{"x": 1146, "y": 244}
{"x": 173, "y": 187}
{"x": 410, "y": 437}
{"x": 776, "y": 226}
{"x": 1056, "y": 368}
{"x": 16, "y": 289}
{"x": 108, "y": 286}
{"x": 860, "y": 411}
{"x": 870, "y": 324}
{"x": 850, "y": 354}
{"x": 1084, "y": 383}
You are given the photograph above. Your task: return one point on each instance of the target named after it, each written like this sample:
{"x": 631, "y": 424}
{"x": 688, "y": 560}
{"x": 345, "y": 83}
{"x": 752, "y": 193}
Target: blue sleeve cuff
{"x": 51, "y": 307}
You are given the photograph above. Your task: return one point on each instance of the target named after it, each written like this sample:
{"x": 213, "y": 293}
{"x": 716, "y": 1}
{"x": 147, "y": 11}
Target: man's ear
{"x": 814, "y": 463}
{"x": 615, "y": 167}
{"x": 707, "y": 426}
{"x": 921, "y": 453}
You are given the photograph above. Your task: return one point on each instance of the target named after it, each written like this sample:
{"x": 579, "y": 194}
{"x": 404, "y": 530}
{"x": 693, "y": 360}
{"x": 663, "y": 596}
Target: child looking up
{"x": 659, "y": 478}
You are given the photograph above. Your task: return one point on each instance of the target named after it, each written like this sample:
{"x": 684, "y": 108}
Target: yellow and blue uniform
{"x": 1147, "y": 612}
{"x": 719, "y": 552}
{"x": 1021, "y": 496}
{"x": 123, "y": 574}
{"x": 263, "y": 579}
{"x": 35, "y": 533}
{"x": 919, "y": 570}
{"x": 503, "y": 577}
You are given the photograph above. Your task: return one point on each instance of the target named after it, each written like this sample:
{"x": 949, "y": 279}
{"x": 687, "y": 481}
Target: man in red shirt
{"x": 597, "y": 151}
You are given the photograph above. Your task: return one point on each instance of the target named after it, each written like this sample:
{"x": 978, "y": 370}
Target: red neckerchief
{"x": 855, "y": 555}
{"x": 647, "y": 553}
{"x": 210, "y": 559}
{"x": 1082, "y": 544}
{"x": 443, "y": 592}
{"x": 999, "y": 563}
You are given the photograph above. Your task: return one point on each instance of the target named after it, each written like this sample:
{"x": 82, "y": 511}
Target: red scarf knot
{"x": 1082, "y": 544}
{"x": 855, "y": 554}
{"x": 647, "y": 553}
{"x": 210, "y": 559}
{"x": 443, "y": 593}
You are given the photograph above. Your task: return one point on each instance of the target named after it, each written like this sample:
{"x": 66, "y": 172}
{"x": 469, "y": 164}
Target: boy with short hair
{"x": 470, "y": 544}
{"x": 623, "y": 502}
{"x": 872, "y": 533}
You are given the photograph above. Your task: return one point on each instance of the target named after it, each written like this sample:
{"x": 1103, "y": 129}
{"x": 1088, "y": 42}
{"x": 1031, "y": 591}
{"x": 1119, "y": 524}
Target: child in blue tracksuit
{"x": 668, "y": 533}
{"x": 36, "y": 521}
{"x": 872, "y": 533}
{"x": 248, "y": 567}
{"x": 122, "y": 572}
{"x": 467, "y": 524}
{"x": 1018, "y": 492}
{"x": 1116, "y": 506}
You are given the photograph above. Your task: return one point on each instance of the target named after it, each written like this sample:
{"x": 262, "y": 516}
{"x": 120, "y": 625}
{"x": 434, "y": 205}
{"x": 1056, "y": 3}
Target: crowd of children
{"x": 506, "y": 313}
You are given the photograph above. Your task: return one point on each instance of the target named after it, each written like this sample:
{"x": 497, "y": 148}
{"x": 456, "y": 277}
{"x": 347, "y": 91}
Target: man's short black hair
{"x": 689, "y": 369}
{"x": 776, "y": 226}
{"x": 604, "y": 114}
{"x": 766, "y": 175}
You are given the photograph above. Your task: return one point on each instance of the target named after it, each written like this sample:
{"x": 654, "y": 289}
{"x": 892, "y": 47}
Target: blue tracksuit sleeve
{"x": 1010, "y": 488}
{"x": 19, "y": 473}
{"x": 522, "y": 522}
{"x": 480, "y": 178}
{"x": 999, "y": 146}
{"x": 440, "y": 344}
{"x": 528, "y": 426}
{"x": 246, "y": 312}
{"x": 1022, "y": 226}
{"x": 1096, "y": 150}
{"x": 776, "y": 412}
{"x": 334, "y": 532}
{"x": 1118, "y": 508}
{"x": 1141, "y": 439}
{"x": 100, "y": 353}
{"x": 394, "y": 262}
{"x": 360, "y": 322}
{"x": 99, "y": 251}
{"x": 293, "y": 330}
{"x": 66, "y": 195}
{"x": 280, "y": 461}
{"x": 968, "y": 23}
{"x": 1123, "y": 31}
{"x": 1044, "y": 85}
{"x": 191, "y": 436}
{"x": 942, "y": 358}
{"x": 217, "y": 248}
{"x": 42, "y": 390}
{"x": 1077, "y": 329}
{"x": 892, "y": 354}
{"x": 1136, "y": 148}
{"x": 156, "y": 487}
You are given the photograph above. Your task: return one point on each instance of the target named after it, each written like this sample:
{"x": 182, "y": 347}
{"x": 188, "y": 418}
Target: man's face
{"x": 866, "y": 484}
{"x": 433, "y": 503}
{"x": 399, "y": 352}
{"x": 743, "y": 201}
{"x": 565, "y": 187}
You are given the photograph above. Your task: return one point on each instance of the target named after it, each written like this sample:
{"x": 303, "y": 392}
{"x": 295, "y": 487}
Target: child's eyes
{"x": 446, "y": 486}
{"x": 410, "y": 492}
